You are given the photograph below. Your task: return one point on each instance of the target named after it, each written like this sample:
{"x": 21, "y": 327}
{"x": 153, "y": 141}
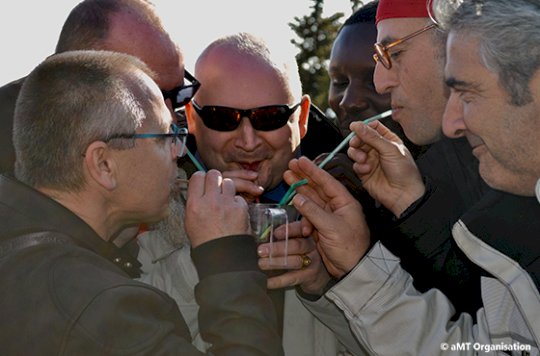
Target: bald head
{"x": 244, "y": 51}
{"x": 127, "y": 26}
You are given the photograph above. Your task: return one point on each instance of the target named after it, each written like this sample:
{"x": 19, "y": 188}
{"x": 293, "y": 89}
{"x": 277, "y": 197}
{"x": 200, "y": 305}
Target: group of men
{"x": 455, "y": 262}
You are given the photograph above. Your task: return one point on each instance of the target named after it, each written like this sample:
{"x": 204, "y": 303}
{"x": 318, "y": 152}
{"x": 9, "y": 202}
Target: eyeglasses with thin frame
{"x": 178, "y": 134}
{"x": 381, "y": 50}
{"x": 181, "y": 95}
{"x": 264, "y": 118}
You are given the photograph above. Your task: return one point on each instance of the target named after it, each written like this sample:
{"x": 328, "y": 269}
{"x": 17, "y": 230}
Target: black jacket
{"x": 68, "y": 292}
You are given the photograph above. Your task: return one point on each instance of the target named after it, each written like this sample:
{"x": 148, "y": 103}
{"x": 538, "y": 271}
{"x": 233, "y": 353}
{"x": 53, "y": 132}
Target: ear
{"x": 304, "y": 115}
{"x": 100, "y": 165}
{"x": 192, "y": 125}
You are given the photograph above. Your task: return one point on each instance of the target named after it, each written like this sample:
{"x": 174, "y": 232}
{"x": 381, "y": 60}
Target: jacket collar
{"x": 507, "y": 222}
{"x": 41, "y": 213}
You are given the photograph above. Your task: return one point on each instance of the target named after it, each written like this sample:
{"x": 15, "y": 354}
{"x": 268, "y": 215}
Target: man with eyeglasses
{"x": 409, "y": 56}
{"x": 96, "y": 152}
{"x": 127, "y": 26}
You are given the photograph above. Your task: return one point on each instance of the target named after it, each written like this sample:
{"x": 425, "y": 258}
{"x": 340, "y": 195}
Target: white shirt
{"x": 538, "y": 190}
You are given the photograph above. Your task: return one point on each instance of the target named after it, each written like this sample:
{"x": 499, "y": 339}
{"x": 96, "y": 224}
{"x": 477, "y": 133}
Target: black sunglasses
{"x": 264, "y": 118}
{"x": 181, "y": 95}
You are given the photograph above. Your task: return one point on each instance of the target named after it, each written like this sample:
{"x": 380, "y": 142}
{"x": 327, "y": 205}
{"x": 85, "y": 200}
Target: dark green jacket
{"x": 68, "y": 292}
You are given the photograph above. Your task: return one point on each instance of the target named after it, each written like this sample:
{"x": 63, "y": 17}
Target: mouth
{"x": 253, "y": 166}
{"x": 478, "y": 148}
{"x": 474, "y": 141}
{"x": 396, "y": 109}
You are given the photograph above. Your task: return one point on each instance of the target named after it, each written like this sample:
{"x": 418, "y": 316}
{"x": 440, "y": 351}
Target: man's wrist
{"x": 407, "y": 199}
{"x": 314, "y": 296}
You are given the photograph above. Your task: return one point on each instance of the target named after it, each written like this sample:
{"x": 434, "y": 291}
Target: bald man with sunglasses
{"x": 249, "y": 119}
{"x": 244, "y": 127}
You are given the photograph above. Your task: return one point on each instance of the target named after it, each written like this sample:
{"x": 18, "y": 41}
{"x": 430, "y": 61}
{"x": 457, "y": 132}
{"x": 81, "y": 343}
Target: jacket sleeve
{"x": 235, "y": 316}
{"x": 128, "y": 317}
{"x": 387, "y": 314}
{"x": 334, "y": 318}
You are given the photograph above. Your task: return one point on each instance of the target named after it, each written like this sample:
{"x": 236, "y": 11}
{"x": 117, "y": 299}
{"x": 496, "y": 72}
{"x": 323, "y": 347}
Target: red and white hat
{"x": 389, "y": 9}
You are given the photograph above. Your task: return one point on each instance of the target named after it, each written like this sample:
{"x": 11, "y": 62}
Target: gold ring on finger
{"x": 306, "y": 261}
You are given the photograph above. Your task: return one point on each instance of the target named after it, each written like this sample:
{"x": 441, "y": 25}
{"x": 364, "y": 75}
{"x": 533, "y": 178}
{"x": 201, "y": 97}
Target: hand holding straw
{"x": 287, "y": 198}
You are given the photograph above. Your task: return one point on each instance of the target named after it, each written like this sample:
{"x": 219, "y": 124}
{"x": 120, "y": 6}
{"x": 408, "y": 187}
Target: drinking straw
{"x": 287, "y": 198}
{"x": 195, "y": 161}
{"x": 351, "y": 135}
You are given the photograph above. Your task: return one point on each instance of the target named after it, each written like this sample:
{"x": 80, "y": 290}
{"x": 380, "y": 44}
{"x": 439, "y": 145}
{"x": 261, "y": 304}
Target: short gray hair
{"x": 509, "y": 37}
{"x": 67, "y": 102}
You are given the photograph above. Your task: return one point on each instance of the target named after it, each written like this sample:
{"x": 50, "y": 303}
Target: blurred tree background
{"x": 316, "y": 34}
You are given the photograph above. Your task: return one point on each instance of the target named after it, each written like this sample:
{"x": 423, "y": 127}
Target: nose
{"x": 353, "y": 101}
{"x": 385, "y": 79}
{"x": 453, "y": 123}
{"x": 247, "y": 138}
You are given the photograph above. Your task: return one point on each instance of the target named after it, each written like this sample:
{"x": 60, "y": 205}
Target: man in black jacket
{"x": 96, "y": 152}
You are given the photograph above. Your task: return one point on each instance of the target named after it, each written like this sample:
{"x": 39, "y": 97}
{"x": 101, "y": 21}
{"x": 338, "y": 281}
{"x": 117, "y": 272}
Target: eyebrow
{"x": 454, "y": 83}
{"x": 387, "y": 40}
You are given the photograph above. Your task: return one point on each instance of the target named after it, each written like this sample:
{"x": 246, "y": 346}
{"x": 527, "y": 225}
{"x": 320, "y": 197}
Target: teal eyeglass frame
{"x": 177, "y": 133}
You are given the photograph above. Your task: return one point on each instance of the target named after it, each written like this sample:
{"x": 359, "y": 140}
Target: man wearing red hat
{"x": 410, "y": 55}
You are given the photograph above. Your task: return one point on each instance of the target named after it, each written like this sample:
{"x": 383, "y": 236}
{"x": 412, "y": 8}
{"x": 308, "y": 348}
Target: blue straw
{"x": 195, "y": 161}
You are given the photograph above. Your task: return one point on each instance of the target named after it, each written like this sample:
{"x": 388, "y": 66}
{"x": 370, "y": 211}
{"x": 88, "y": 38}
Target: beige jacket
{"x": 173, "y": 272}
{"x": 388, "y": 316}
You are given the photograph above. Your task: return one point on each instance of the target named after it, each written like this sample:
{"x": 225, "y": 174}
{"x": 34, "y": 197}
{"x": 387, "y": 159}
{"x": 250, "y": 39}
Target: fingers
{"x": 290, "y": 262}
{"x": 311, "y": 277}
{"x": 293, "y": 229}
{"x": 241, "y": 174}
{"x": 209, "y": 192}
{"x": 196, "y": 185}
{"x": 296, "y": 246}
{"x": 213, "y": 183}
{"x": 228, "y": 187}
{"x": 284, "y": 280}
{"x": 375, "y": 135}
{"x": 326, "y": 185}
{"x": 247, "y": 188}
{"x": 244, "y": 181}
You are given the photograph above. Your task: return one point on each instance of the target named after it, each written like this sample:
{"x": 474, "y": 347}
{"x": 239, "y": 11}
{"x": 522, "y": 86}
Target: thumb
{"x": 316, "y": 215}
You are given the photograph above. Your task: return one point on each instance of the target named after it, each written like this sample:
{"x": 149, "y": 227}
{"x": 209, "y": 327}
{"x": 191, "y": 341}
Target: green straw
{"x": 351, "y": 135}
{"x": 287, "y": 198}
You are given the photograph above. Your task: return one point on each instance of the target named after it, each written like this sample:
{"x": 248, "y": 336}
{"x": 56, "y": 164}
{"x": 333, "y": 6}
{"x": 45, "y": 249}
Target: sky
{"x": 29, "y": 29}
